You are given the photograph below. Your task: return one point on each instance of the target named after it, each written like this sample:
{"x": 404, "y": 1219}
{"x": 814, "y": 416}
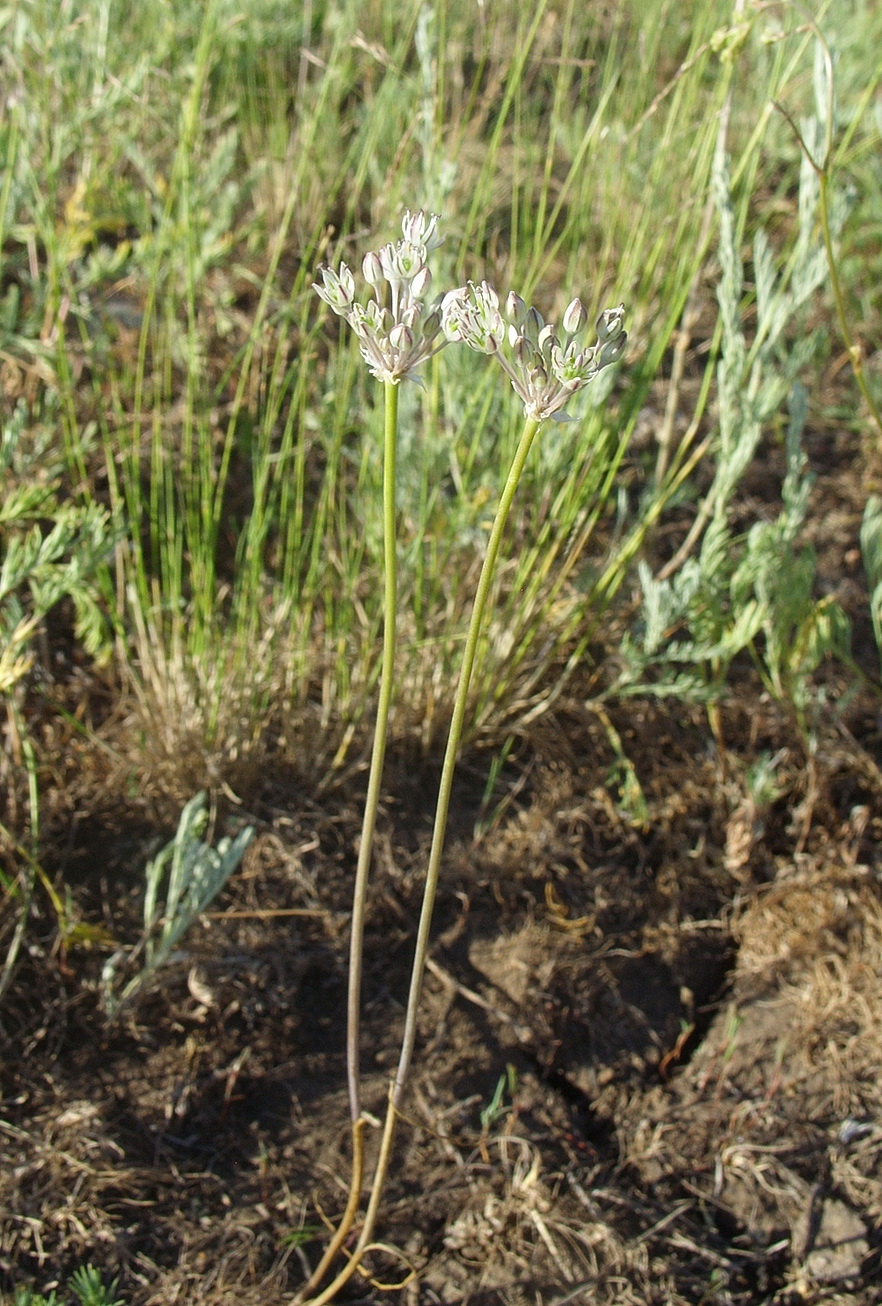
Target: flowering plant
{"x": 399, "y": 328}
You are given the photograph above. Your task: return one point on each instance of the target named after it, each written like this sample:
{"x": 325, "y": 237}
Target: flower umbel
{"x": 545, "y": 370}
{"x": 398, "y": 329}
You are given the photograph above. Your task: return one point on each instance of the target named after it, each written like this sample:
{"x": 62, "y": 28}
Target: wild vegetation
{"x": 668, "y": 778}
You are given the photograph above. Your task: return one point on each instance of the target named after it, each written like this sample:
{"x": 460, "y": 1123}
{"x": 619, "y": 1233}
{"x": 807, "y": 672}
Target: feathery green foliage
{"x": 748, "y": 591}
{"x": 50, "y": 549}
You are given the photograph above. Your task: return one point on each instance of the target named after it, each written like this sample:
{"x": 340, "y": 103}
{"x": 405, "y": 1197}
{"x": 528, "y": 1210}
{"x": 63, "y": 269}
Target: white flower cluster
{"x": 398, "y": 329}
{"x": 544, "y": 371}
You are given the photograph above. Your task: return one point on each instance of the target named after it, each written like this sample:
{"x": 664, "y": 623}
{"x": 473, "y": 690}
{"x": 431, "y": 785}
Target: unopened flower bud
{"x": 612, "y": 350}
{"x": 515, "y": 308}
{"x": 432, "y": 325}
{"x": 522, "y": 350}
{"x": 574, "y": 318}
{"x": 421, "y": 282}
{"x": 401, "y": 338}
{"x": 546, "y": 336}
{"x": 372, "y": 269}
{"x": 533, "y": 324}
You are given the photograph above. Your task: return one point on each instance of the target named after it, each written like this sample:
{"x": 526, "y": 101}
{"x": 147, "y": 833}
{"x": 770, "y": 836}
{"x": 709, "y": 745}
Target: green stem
{"x": 359, "y": 896}
{"x": 440, "y": 828}
{"x": 488, "y": 570}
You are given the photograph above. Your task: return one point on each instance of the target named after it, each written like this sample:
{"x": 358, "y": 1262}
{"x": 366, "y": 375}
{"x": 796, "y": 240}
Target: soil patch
{"x": 649, "y": 1055}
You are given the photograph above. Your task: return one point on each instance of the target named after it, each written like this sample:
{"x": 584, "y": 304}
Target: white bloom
{"x": 544, "y": 371}
{"x": 471, "y": 315}
{"x": 397, "y": 328}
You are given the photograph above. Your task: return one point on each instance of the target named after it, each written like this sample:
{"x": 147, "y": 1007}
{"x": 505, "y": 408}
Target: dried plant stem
{"x": 348, "y": 1218}
{"x": 397, "y": 1088}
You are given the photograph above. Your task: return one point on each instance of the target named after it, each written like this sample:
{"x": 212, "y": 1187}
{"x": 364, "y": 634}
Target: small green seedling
{"x": 86, "y": 1285}
{"x": 198, "y": 873}
{"x": 495, "y": 1109}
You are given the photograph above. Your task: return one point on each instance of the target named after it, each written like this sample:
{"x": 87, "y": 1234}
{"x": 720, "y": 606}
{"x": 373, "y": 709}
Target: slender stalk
{"x": 454, "y": 737}
{"x": 378, "y": 754}
{"x": 369, "y": 821}
{"x": 485, "y": 581}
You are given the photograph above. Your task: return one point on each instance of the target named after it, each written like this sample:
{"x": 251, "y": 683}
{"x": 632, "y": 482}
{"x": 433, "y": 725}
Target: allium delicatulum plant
{"x": 398, "y": 329}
